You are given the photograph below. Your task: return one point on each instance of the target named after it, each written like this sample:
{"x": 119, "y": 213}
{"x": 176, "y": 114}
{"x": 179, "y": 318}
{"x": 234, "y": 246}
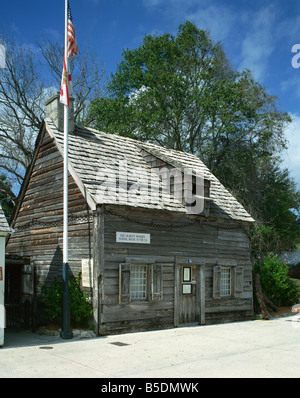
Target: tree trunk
{"x": 260, "y": 297}
{"x": 270, "y": 303}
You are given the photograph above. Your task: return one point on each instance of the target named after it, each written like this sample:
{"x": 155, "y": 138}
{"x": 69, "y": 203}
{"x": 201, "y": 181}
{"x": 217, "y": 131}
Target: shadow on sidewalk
{"x": 25, "y": 338}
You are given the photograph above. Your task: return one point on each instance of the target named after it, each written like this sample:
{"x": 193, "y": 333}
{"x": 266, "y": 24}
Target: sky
{"x": 259, "y": 35}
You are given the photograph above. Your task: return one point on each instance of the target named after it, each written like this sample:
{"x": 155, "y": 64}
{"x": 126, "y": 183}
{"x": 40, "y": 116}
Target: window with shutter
{"x": 228, "y": 280}
{"x": 156, "y": 282}
{"x": 124, "y": 283}
{"x": 239, "y": 282}
{"x": 217, "y": 282}
{"x": 140, "y": 282}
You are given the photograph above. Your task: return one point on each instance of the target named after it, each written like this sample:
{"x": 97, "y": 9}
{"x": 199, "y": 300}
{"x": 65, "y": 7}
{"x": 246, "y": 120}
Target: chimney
{"x": 55, "y": 111}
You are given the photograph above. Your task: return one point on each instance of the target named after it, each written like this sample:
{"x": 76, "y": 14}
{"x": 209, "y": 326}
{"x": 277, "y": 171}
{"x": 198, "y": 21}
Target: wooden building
{"x": 158, "y": 239}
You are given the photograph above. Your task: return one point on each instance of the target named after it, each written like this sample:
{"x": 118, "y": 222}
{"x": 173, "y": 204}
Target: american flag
{"x": 72, "y": 44}
{"x": 66, "y": 81}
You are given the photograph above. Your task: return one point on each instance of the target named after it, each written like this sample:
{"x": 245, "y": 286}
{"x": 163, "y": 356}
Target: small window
{"x": 225, "y": 287}
{"x": 187, "y": 289}
{"x": 186, "y": 274}
{"x": 186, "y": 280}
{"x": 138, "y": 282}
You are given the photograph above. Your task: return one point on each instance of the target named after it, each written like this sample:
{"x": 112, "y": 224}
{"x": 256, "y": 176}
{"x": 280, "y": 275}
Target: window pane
{"x": 138, "y": 281}
{"x": 186, "y": 289}
{"x": 186, "y": 274}
{"x": 225, "y": 281}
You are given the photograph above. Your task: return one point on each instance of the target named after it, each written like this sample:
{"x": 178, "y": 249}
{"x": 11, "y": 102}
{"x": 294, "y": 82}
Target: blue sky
{"x": 258, "y": 35}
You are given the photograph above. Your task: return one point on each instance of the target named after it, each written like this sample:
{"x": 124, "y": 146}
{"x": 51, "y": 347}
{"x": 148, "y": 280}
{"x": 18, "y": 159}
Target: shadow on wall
{"x": 55, "y": 269}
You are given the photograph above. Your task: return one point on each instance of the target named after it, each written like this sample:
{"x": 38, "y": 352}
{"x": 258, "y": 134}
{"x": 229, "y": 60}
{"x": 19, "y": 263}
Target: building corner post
{"x": 98, "y": 266}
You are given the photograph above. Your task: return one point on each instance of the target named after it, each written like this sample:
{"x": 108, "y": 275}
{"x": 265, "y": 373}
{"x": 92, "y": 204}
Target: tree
{"x": 182, "y": 93}
{"x": 31, "y": 76}
{"x": 21, "y": 91}
{"x": 7, "y": 197}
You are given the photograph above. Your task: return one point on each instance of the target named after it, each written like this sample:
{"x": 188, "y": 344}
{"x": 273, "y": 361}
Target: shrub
{"x": 51, "y": 297}
{"x": 275, "y": 281}
{"x": 294, "y": 271}
{"x": 81, "y": 309}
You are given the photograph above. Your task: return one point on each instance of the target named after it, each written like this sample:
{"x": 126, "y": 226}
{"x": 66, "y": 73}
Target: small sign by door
{"x": 1, "y": 273}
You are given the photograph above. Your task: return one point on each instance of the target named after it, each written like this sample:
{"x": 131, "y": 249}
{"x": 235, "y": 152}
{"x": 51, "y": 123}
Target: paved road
{"x": 245, "y": 349}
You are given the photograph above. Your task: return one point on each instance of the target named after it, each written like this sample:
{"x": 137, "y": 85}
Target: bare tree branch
{"x": 31, "y": 76}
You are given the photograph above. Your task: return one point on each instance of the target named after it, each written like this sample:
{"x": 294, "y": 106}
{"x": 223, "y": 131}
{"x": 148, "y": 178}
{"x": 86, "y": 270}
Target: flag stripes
{"x": 72, "y": 49}
{"x": 72, "y": 43}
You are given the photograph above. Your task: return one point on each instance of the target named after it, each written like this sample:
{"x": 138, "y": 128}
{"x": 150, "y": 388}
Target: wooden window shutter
{"x": 239, "y": 282}
{"x": 217, "y": 283}
{"x": 124, "y": 283}
{"x": 156, "y": 282}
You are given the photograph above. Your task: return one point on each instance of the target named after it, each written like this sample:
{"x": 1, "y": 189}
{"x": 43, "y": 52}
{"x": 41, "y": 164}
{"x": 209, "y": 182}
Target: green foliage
{"x": 275, "y": 281}
{"x": 294, "y": 271}
{"x": 274, "y": 205}
{"x": 297, "y": 283}
{"x": 51, "y": 297}
{"x": 81, "y": 309}
{"x": 264, "y": 239}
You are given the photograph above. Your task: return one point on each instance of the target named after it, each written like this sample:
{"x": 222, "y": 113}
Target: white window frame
{"x": 139, "y": 282}
{"x": 226, "y": 282}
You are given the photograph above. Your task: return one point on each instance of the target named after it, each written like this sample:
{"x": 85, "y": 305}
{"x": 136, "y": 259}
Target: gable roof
{"x": 99, "y": 162}
{"x": 4, "y": 228}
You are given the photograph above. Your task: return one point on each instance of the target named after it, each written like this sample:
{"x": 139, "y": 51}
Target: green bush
{"x": 294, "y": 271}
{"x": 81, "y": 308}
{"x": 275, "y": 281}
{"x": 51, "y": 298}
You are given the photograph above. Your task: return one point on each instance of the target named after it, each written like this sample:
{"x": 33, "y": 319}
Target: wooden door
{"x": 189, "y": 294}
{"x": 190, "y": 301}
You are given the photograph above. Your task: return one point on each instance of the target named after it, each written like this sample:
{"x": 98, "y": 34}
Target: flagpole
{"x": 66, "y": 331}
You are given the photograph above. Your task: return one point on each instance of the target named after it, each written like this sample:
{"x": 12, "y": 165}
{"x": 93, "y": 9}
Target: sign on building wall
{"x": 132, "y": 237}
{"x": 87, "y": 272}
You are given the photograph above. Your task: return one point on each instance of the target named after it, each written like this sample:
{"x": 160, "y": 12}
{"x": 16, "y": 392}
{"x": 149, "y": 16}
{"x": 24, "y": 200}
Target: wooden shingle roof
{"x": 4, "y": 228}
{"x": 102, "y": 164}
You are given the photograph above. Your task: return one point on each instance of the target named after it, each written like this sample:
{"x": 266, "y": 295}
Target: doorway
{"x": 13, "y": 293}
{"x": 190, "y": 291}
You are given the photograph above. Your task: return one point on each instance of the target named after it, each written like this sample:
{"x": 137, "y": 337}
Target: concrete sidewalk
{"x": 246, "y": 349}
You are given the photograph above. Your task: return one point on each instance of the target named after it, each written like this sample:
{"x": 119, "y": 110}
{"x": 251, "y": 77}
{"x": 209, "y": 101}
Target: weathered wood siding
{"x": 169, "y": 246}
{"x": 39, "y": 228}
{"x": 39, "y": 235}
